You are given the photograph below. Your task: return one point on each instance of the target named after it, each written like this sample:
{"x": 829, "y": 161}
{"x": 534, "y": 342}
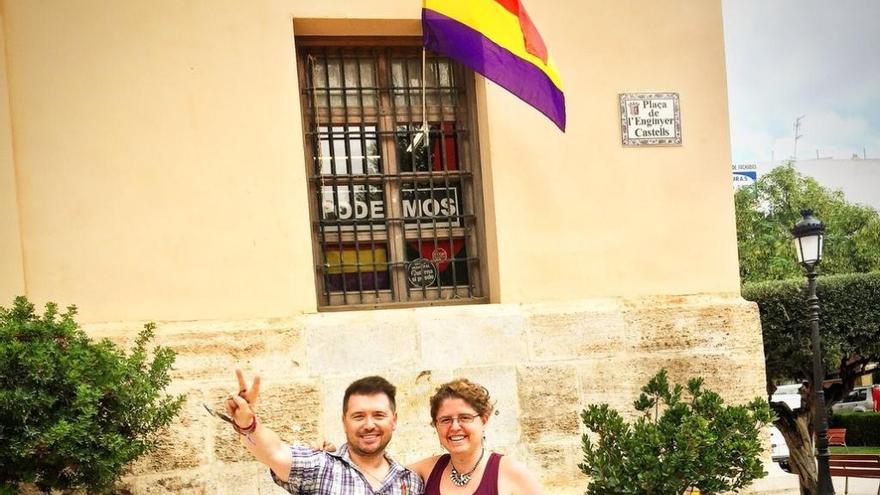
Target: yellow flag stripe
{"x": 370, "y": 260}
{"x": 495, "y": 22}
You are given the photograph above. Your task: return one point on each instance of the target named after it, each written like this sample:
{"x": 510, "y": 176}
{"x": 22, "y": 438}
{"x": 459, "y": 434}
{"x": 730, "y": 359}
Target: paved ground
{"x": 782, "y": 483}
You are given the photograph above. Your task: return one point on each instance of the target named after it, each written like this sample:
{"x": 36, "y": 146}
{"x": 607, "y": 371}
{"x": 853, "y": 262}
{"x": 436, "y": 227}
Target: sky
{"x": 819, "y": 59}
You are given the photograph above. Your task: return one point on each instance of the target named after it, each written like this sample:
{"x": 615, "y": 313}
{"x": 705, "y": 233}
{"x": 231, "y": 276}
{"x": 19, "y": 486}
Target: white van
{"x": 778, "y": 448}
{"x": 788, "y": 389}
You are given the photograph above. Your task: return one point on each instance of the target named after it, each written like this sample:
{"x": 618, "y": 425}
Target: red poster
{"x": 438, "y": 252}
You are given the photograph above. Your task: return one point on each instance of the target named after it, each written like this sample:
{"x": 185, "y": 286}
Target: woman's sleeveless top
{"x": 488, "y": 485}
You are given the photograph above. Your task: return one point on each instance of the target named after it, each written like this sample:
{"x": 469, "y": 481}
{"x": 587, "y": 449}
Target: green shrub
{"x": 862, "y": 429}
{"x": 849, "y": 322}
{"x": 74, "y": 412}
{"x": 676, "y": 445}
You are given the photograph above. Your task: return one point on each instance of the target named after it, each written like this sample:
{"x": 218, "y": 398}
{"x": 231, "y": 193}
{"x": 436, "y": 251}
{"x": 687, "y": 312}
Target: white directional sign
{"x": 744, "y": 174}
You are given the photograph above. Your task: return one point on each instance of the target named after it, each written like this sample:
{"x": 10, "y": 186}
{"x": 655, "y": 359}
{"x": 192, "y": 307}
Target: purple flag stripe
{"x": 445, "y": 35}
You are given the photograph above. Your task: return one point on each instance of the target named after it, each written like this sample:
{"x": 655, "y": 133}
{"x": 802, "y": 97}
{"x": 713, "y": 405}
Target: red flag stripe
{"x": 534, "y": 43}
{"x": 512, "y": 6}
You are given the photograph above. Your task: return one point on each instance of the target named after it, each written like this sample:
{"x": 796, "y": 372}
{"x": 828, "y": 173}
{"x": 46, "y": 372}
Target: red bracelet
{"x": 245, "y": 431}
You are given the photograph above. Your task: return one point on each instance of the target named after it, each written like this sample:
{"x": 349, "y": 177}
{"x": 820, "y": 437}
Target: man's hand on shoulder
{"x": 325, "y": 445}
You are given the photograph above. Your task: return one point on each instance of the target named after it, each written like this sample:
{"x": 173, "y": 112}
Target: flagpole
{"x": 320, "y": 156}
{"x": 425, "y": 106}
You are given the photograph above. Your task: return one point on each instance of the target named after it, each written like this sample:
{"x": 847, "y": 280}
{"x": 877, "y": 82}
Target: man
{"x": 360, "y": 467}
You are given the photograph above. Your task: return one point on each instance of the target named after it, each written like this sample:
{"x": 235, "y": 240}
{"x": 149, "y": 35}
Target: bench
{"x": 855, "y": 466}
{"x": 837, "y": 436}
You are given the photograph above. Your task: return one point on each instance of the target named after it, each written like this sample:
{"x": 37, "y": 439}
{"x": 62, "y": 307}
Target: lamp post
{"x": 809, "y": 237}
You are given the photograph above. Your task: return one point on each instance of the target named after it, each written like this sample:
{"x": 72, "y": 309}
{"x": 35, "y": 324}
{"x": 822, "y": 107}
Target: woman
{"x": 460, "y": 411}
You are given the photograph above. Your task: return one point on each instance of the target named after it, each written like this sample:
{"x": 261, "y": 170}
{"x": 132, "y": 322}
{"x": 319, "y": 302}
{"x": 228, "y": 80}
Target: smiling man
{"x": 360, "y": 467}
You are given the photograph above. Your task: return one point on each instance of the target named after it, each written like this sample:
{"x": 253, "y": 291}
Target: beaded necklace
{"x": 459, "y": 479}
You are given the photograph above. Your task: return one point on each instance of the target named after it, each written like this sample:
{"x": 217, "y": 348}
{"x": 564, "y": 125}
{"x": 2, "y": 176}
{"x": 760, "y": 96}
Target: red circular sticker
{"x": 439, "y": 255}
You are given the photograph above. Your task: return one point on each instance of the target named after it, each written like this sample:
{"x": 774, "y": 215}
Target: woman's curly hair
{"x": 474, "y": 394}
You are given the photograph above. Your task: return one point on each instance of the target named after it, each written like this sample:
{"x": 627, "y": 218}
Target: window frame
{"x": 400, "y": 294}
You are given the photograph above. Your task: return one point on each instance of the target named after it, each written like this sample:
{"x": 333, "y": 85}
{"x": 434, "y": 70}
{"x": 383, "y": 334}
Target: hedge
{"x": 862, "y": 429}
{"x": 849, "y": 321}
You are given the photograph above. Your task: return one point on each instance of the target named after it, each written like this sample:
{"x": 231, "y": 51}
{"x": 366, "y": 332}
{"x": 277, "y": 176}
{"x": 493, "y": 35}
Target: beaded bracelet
{"x": 246, "y": 431}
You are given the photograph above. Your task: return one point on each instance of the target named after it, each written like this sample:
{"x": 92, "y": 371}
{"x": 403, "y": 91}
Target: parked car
{"x": 779, "y": 449}
{"x": 790, "y": 395}
{"x": 859, "y": 399}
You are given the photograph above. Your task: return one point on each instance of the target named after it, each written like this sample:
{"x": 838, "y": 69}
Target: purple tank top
{"x": 488, "y": 485}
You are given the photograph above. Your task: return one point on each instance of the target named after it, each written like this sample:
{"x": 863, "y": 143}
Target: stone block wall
{"x": 542, "y": 363}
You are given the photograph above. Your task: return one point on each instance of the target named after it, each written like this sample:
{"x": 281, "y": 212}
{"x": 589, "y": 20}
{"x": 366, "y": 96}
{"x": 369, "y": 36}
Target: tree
{"x": 766, "y": 212}
{"x": 765, "y": 215}
{"x": 687, "y": 438}
{"x": 74, "y": 412}
{"x": 850, "y": 328}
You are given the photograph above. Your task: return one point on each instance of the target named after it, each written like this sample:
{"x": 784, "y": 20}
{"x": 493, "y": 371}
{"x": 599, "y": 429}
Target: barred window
{"x": 396, "y": 212}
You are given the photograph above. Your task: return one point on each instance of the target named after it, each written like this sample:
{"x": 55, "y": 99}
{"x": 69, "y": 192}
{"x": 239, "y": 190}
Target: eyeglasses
{"x": 463, "y": 419}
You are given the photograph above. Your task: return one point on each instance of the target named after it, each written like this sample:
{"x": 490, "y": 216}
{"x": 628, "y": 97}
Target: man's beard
{"x": 378, "y": 449}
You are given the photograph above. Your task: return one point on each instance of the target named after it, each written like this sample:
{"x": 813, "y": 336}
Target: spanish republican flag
{"x": 497, "y": 39}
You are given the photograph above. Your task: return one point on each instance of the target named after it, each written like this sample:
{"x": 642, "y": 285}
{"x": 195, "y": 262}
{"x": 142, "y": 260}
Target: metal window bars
{"x": 395, "y": 217}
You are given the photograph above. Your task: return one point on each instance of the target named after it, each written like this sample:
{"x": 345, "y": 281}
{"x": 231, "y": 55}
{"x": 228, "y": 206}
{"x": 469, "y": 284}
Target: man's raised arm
{"x": 263, "y": 443}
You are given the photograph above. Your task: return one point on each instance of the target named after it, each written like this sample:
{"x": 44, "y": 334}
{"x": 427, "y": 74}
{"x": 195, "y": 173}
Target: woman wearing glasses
{"x": 460, "y": 411}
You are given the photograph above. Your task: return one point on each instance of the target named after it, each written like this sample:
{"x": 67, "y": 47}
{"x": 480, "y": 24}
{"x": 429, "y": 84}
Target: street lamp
{"x": 809, "y": 237}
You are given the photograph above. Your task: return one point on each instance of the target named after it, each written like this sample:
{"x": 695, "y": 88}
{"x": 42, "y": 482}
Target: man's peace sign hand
{"x": 248, "y": 393}
{"x": 242, "y": 406}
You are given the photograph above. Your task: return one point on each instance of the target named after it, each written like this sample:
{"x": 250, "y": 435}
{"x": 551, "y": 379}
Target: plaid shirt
{"x": 315, "y": 472}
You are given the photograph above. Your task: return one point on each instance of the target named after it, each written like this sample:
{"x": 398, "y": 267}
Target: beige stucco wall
{"x": 159, "y": 142}
{"x": 624, "y": 221}
{"x": 11, "y": 263}
{"x": 159, "y": 153}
